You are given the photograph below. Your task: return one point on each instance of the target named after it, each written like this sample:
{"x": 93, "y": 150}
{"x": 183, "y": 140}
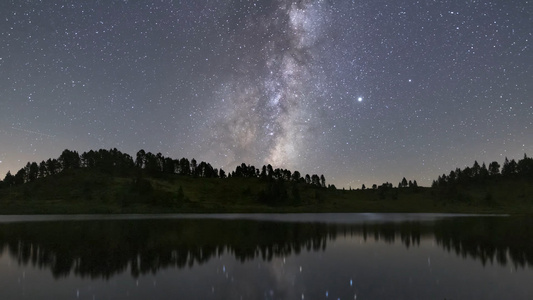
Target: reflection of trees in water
{"x": 489, "y": 239}
{"x": 104, "y": 248}
{"x": 409, "y": 233}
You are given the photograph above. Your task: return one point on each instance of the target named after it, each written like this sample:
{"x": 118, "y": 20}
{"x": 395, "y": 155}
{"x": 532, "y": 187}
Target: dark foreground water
{"x": 323, "y": 256}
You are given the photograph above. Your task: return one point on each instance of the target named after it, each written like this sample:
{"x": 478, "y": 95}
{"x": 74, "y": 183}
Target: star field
{"x": 360, "y": 91}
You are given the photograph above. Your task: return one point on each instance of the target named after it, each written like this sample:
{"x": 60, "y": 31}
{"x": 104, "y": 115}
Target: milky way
{"x": 264, "y": 109}
{"x": 360, "y": 91}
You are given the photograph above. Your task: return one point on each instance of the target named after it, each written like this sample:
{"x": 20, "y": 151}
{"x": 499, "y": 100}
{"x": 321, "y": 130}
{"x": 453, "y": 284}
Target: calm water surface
{"x": 309, "y": 256}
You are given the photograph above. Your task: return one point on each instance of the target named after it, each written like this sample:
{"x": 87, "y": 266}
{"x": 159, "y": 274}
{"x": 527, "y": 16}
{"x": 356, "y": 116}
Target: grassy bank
{"x": 84, "y": 191}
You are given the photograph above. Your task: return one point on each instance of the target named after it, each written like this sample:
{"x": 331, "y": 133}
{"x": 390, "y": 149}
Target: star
{"x": 265, "y": 82}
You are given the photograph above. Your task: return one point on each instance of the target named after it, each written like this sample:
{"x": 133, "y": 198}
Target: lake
{"x": 256, "y": 256}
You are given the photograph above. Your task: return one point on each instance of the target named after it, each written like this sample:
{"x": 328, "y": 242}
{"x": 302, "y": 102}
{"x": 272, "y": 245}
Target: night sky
{"x": 361, "y": 91}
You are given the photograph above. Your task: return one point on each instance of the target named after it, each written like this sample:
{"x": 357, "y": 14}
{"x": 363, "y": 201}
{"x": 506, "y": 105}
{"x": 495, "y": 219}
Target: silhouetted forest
{"x": 146, "y": 164}
{"x": 119, "y": 182}
{"x": 118, "y": 163}
{"x": 454, "y": 187}
{"x": 480, "y": 174}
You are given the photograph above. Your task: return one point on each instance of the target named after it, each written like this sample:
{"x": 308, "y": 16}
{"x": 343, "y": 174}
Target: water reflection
{"x": 502, "y": 240}
{"x": 104, "y": 248}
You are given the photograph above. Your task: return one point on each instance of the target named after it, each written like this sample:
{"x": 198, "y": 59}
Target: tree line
{"x": 146, "y": 163}
{"x": 412, "y": 184}
{"x": 523, "y": 168}
{"x": 156, "y": 165}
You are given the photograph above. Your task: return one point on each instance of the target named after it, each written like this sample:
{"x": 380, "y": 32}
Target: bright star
{"x": 360, "y": 99}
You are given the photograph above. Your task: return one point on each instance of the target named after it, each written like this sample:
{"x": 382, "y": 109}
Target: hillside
{"x": 91, "y": 191}
{"x": 108, "y": 181}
